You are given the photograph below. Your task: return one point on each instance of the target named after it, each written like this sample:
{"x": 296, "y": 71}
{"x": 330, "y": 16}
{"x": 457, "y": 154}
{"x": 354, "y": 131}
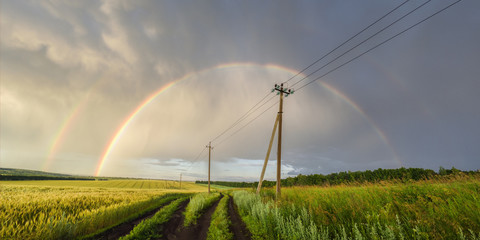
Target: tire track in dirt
{"x": 125, "y": 228}
{"x": 174, "y": 229}
{"x": 238, "y": 227}
{"x": 175, "y": 222}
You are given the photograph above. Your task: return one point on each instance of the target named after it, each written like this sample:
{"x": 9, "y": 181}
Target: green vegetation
{"x": 215, "y": 186}
{"x": 25, "y": 172}
{"x": 197, "y": 205}
{"x": 265, "y": 221}
{"x": 445, "y": 206}
{"x": 445, "y": 209}
{"x": 150, "y": 228}
{"x": 226, "y": 184}
{"x": 220, "y": 223}
{"x": 68, "y": 210}
{"x": 9, "y": 174}
{"x": 168, "y": 198}
{"x": 358, "y": 177}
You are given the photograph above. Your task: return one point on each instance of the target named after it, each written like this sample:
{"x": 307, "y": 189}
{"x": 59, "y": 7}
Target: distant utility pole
{"x": 180, "y": 181}
{"x": 209, "y": 156}
{"x": 281, "y": 91}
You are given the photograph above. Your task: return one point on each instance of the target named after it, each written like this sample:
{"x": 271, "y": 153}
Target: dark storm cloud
{"x": 415, "y": 98}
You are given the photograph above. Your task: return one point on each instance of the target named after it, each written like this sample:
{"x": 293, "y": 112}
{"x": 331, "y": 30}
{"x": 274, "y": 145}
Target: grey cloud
{"x": 109, "y": 56}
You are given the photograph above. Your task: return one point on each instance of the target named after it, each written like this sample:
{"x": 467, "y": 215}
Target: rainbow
{"x": 125, "y": 124}
{"x": 357, "y": 108}
{"x": 121, "y": 129}
{"x": 111, "y": 144}
{"x": 60, "y": 136}
{"x": 68, "y": 123}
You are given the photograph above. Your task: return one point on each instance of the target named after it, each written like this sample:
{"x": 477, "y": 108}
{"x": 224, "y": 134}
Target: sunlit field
{"x": 126, "y": 184}
{"x": 441, "y": 208}
{"x": 69, "y": 209}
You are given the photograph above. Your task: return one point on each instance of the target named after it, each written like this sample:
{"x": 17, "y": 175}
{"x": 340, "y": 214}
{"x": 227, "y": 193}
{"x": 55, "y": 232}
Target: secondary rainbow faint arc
{"x": 58, "y": 139}
{"x": 64, "y": 128}
{"x": 111, "y": 144}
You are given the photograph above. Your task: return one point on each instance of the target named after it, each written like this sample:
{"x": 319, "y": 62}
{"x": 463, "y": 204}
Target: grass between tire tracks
{"x": 149, "y": 228}
{"x": 197, "y": 205}
{"x": 220, "y": 223}
{"x": 165, "y": 199}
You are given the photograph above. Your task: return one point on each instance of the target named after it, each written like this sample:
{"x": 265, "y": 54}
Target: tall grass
{"x": 198, "y": 203}
{"x": 220, "y": 223}
{"x": 437, "y": 210}
{"x": 424, "y": 210}
{"x": 265, "y": 221}
{"x": 150, "y": 228}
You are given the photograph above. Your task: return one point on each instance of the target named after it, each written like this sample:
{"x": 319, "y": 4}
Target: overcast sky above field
{"x": 73, "y": 73}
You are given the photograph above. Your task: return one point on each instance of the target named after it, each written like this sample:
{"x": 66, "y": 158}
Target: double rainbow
{"x": 124, "y": 125}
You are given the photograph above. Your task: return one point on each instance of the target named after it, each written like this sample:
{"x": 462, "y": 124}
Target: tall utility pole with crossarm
{"x": 287, "y": 92}
{"x": 278, "y": 121}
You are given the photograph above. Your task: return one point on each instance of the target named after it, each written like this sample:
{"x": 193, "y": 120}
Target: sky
{"x": 139, "y": 88}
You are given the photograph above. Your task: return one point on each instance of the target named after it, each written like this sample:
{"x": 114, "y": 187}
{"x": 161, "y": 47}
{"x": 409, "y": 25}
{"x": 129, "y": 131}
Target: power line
{"x": 378, "y": 45}
{"x": 196, "y": 158}
{"x": 246, "y": 124}
{"x": 248, "y": 113}
{"x": 348, "y": 40}
{"x": 255, "y": 108}
{"x": 362, "y": 42}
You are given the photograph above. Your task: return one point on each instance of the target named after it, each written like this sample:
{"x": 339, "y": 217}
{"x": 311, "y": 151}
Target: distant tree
{"x": 454, "y": 170}
{"x": 442, "y": 171}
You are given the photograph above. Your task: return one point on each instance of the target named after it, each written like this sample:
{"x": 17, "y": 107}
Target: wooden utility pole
{"x": 268, "y": 155}
{"x": 287, "y": 92}
{"x": 209, "y": 156}
{"x": 180, "y": 181}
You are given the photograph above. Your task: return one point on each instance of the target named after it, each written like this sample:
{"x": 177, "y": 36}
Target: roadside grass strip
{"x": 150, "y": 228}
{"x": 220, "y": 223}
{"x": 445, "y": 209}
{"x": 197, "y": 205}
{"x": 266, "y": 220}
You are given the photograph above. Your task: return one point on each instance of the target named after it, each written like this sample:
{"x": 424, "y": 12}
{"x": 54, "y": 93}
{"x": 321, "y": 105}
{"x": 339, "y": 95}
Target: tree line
{"x": 368, "y": 176}
{"x": 18, "y": 178}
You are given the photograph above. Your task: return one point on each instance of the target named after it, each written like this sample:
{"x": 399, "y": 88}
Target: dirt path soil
{"x": 238, "y": 228}
{"x": 174, "y": 229}
{"x": 125, "y": 228}
{"x": 175, "y": 222}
